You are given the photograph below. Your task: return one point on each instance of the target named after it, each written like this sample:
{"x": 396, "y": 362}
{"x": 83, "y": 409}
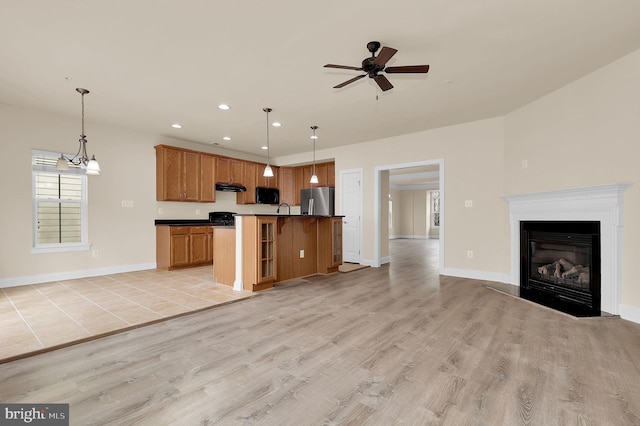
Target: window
{"x": 435, "y": 209}
{"x": 59, "y": 205}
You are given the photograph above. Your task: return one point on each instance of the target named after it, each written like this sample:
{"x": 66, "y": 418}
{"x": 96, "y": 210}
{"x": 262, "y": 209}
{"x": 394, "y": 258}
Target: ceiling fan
{"x": 376, "y": 64}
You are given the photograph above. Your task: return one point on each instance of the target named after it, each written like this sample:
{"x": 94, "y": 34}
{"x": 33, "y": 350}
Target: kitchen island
{"x": 275, "y": 247}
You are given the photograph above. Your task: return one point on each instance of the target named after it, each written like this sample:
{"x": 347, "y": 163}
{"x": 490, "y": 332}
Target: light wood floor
{"x": 40, "y": 317}
{"x": 379, "y": 346}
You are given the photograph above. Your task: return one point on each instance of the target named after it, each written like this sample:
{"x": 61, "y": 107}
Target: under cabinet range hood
{"x": 230, "y": 187}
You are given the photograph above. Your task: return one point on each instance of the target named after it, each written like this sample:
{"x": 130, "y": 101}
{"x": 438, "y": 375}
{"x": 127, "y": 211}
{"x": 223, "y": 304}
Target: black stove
{"x": 222, "y": 218}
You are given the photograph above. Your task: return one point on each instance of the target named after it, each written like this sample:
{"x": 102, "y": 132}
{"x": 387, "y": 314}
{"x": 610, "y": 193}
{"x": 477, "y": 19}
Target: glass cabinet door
{"x": 336, "y": 250}
{"x": 267, "y": 269}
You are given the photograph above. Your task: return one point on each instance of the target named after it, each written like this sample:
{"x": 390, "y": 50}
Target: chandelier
{"x": 81, "y": 158}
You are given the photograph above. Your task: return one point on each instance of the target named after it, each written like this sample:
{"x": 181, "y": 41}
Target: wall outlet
{"x": 95, "y": 253}
{"x": 301, "y": 254}
{"x": 468, "y": 203}
{"x": 197, "y": 211}
{"x": 160, "y": 211}
{"x": 525, "y": 164}
{"x": 127, "y": 203}
{"x": 469, "y": 254}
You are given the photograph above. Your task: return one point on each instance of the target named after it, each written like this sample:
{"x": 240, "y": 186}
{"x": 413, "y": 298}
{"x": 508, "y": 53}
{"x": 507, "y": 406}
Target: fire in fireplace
{"x": 560, "y": 265}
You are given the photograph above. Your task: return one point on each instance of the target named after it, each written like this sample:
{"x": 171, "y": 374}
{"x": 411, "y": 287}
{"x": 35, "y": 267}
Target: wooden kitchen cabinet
{"x": 259, "y": 250}
{"x": 331, "y": 174}
{"x": 329, "y": 245}
{"x": 287, "y": 185}
{"x": 229, "y": 170}
{"x": 268, "y": 182}
{"x": 249, "y": 180}
{"x": 207, "y": 178}
{"x": 177, "y": 174}
{"x": 183, "y": 246}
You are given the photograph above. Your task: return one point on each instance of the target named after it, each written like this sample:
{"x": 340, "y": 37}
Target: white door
{"x": 351, "y": 209}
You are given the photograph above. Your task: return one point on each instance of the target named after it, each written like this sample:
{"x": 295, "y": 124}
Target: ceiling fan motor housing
{"x": 370, "y": 68}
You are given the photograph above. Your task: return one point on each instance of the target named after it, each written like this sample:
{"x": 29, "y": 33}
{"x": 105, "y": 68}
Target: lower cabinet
{"x": 329, "y": 245}
{"x": 183, "y": 246}
{"x": 259, "y": 250}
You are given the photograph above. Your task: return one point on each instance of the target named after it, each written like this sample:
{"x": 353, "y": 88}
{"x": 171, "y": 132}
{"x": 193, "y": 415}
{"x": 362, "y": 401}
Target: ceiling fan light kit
{"x": 374, "y": 65}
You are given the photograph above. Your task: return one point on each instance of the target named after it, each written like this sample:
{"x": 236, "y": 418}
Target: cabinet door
{"x": 179, "y": 246}
{"x": 249, "y": 181}
{"x": 223, "y": 170}
{"x": 331, "y": 174}
{"x": 207, "y": 178}
{"x": 170, "y": 168}
{"x": 268, "y": 182}
{"x": 287, "y": 185}
{"x": 209, "y": 245}
{"x": 191, "y": 176}
{"x": 336, "y": 241}
{"x": 299, "y": 184}
{"x": 307, "y": 171}
{"x": 199, "y": 244}
{"x": 266, "y": 250}
{"x": 237, "y": 171}
{"x": 321, "y": 172}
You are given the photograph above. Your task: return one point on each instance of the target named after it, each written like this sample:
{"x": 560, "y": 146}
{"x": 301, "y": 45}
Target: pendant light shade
{"x": 314, "y": 177}
{"x": 81, "y": 158}
{"x": 268, "y": 172}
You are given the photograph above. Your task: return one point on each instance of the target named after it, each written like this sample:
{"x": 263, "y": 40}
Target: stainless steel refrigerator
{"x": 318, "y": 201}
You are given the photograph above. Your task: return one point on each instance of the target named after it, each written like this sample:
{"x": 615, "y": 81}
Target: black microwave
{"x": 267, "y": 195}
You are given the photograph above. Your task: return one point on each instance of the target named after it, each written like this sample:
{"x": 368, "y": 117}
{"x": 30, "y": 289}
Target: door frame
{"x": 360, "y": 171}
{"x": 378, "y": 198}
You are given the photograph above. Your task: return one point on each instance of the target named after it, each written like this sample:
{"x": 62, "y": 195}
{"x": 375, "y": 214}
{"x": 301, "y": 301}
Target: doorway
{"x": 381, "y": 182}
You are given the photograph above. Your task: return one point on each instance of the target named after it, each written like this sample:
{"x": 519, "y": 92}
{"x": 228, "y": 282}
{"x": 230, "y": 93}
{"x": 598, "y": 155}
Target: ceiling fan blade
{"x": 383, "y": 82}
{"x": 343, "y": 67}
{"x": 349, "y": 81}
{"x": 408, "y": 69}
{"x": 385, "y": 54}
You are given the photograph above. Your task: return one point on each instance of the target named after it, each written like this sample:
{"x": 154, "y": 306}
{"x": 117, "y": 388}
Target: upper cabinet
{"x": 287, "y": 185}
{"x": 177, "y": 174}
{"x": 250, "y": 175}
{"x": 207, "y": 178}
{"x": 229, "y": 170}
{"x": 187, "y": 175}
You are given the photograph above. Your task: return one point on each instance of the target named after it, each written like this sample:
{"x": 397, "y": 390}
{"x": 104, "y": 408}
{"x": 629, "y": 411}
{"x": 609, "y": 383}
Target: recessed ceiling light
{"x": 224, "y": 106}
{"x": 265, "y": 147}
{"x": 276, "y": 124}
{"x": 226, "y": 138}
{"x": 176, "y": 126}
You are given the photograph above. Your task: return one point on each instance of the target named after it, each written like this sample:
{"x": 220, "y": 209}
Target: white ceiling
{"x": 149, "y": 63}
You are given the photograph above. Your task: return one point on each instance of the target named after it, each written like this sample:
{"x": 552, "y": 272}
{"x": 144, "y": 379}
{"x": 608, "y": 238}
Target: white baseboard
{"x": 409, "y": 237}
{"x": 70, "y": 275}
{"x": 477, "y": 275}
{"x": 630, "y": 313}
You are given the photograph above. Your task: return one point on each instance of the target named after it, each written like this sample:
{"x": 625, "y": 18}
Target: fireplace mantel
{"x": 596, "y": 203}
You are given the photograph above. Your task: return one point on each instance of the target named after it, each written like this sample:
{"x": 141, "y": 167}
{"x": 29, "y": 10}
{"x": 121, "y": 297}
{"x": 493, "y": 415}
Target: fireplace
{"x": 602, "y": 204}
{"x": 560, "y": 265}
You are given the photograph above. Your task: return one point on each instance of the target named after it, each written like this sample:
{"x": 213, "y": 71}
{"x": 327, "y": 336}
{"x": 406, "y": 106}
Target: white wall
{"x": 584, "y": 134}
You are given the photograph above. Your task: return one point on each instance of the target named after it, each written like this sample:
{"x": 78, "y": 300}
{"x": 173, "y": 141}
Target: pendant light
{"x": 81, "y": 158}
{"x": 314, "y": 177}
{"x": 268, "y": 172}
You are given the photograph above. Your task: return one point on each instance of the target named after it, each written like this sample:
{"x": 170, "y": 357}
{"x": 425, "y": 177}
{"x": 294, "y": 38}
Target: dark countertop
{"x": 284, "y": 215}
{"x": 188, "y": 222}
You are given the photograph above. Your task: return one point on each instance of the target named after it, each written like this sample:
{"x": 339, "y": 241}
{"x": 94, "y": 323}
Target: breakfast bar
{"x": 271, "y": 248}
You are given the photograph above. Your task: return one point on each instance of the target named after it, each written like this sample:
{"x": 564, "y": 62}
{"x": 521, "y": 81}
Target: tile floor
{"x": 41, "y": 316}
